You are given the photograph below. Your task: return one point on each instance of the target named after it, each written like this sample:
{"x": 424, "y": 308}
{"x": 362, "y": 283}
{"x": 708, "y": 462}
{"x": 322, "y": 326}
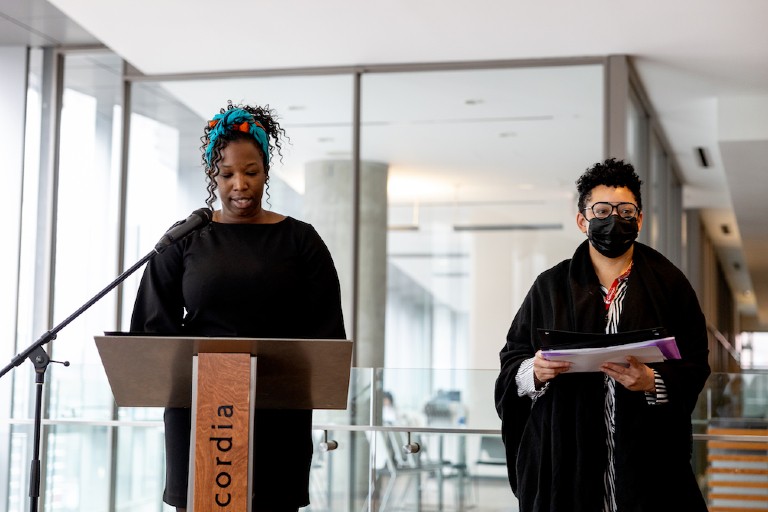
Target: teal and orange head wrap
{"x": 236, "y": 119}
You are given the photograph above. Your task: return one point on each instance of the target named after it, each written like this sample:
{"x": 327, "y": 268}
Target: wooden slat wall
{"x": 737, "y": 473}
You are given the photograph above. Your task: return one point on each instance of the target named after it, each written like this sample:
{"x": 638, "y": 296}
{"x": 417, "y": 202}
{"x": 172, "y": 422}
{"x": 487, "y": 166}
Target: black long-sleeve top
{"x": 246, "y": 280}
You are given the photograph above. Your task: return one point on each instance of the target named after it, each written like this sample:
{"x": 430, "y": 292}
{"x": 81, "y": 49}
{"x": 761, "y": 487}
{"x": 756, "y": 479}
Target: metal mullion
{"x": 45, "y": 271}
{"x": 126, "y": 98}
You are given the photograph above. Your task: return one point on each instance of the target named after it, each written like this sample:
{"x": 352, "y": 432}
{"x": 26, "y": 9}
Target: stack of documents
{"x": 590, "y": 359}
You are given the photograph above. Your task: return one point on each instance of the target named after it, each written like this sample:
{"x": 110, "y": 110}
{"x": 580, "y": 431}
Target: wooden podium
{"x": 217, "y": 377}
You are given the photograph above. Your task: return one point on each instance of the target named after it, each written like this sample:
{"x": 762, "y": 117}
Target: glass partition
{"x": 460, "y": 208}
{"x": 422, "y": 447}
{"x": 731, "y": 435}
{"x": 637, "y": 154}
{"x": 23, "y": 153}
{"x": 166, "y": 179}
{"x": 476, "y": 209}
{"x": 86, "y": 231}
{"x": 413, "y": 452}
{"x": 140, "y": 469}
{"x": 76, "y": 460}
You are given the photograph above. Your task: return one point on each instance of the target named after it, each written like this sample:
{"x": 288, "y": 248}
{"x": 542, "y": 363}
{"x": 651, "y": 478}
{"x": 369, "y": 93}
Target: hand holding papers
{"x": 590, "y": 359}
{"x": 587, "y": 351}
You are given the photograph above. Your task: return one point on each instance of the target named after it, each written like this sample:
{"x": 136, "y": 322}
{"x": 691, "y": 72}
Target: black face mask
{"x": 612, "y": 236}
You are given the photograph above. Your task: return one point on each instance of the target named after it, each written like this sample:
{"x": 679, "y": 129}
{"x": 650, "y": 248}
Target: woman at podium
{"x": 250, "y": 273}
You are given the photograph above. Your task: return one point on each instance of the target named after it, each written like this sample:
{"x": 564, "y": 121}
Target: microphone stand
{"x": 39, "y": 357}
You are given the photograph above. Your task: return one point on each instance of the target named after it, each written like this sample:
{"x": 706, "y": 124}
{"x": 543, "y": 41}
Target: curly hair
{"x": 611, "y": 173}
{"x": 275, "y": 134}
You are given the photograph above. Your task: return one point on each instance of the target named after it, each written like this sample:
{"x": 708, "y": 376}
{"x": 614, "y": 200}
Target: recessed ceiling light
{"x": 473, "y": 101}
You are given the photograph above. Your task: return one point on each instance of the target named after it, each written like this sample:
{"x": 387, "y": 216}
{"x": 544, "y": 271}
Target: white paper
{"x": 590, "y": 359}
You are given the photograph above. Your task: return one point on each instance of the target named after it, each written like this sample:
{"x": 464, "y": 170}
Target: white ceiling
{"x": 703, "y": 63}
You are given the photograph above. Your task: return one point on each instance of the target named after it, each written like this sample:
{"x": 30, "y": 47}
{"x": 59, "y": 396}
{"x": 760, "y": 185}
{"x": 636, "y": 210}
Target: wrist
{"x": 651, "y": 375}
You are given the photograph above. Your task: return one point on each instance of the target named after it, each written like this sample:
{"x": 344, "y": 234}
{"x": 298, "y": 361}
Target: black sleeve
{"x": 326, "y": 320}
{"x": 666, "y": 296}
{"x": 541, "y": 308}
{"x": 513, "y": 409}
{"x": 159, "y": 305}
{"x": 685, "y": 378}
{"x": 516, "y": 350}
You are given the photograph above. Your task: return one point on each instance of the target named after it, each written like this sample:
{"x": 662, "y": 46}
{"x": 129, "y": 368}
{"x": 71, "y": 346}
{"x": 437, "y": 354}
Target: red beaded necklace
{"x": 615, "y": 286}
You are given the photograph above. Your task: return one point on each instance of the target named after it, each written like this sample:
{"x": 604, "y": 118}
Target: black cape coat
{"x": 556, "y": 446}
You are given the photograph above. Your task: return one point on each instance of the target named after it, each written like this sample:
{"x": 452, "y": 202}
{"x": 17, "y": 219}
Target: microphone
{"x": 196, "y": 220}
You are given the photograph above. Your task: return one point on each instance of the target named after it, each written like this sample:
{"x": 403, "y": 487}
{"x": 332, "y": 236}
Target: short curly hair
{"x": 275, "y": 134}
{"x": 611, "y": 173}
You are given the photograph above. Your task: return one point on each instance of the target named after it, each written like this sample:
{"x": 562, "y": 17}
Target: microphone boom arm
{"x": 50, "y": 335}
{"x": 40, "y": 359}
{"x": 178, "y": 231}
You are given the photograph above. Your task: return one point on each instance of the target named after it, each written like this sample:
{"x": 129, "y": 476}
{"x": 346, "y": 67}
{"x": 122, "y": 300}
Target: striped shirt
{"x": 614, "y": 304}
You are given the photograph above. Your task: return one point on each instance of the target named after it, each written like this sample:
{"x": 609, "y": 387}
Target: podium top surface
{"x": 156, "y": 371}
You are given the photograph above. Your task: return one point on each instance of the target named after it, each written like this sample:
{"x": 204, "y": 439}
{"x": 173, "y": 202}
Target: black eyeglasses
{"x": 604, "y": 210}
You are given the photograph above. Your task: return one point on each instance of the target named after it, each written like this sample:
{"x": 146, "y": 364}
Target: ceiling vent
{"x": 702, "y": 156}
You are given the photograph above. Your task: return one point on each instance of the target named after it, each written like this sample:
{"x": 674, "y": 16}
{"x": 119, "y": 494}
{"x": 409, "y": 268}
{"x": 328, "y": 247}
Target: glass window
{"x": 637, "y": 155}
{"x": 29, "y": 267}
{"x": 637, "y": 133}
{"x": 166, "y": 179}
{"x": 461, "y": 208}
{"x": 86, "y": 232}
{"x": 140, "y": 476}
{"x": 674, "y": 231}
{"x": 20, "y": 102}
{"x": 476, "y": 207}
{"x": 85, "y": 262}
{"x": 658, "y": 191}
{"x": 78, "y": 468}
{"x": 13, "y": 62}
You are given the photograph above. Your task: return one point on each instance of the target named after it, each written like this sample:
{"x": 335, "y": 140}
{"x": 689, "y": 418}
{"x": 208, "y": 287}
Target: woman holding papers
{"x": 618, "y": 439}
{"x": 250, "y": 273}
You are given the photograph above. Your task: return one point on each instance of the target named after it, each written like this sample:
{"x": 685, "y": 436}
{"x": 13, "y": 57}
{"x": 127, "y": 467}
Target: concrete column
{"x": 328, "y": 196}
{"x": 328, "y": 206}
